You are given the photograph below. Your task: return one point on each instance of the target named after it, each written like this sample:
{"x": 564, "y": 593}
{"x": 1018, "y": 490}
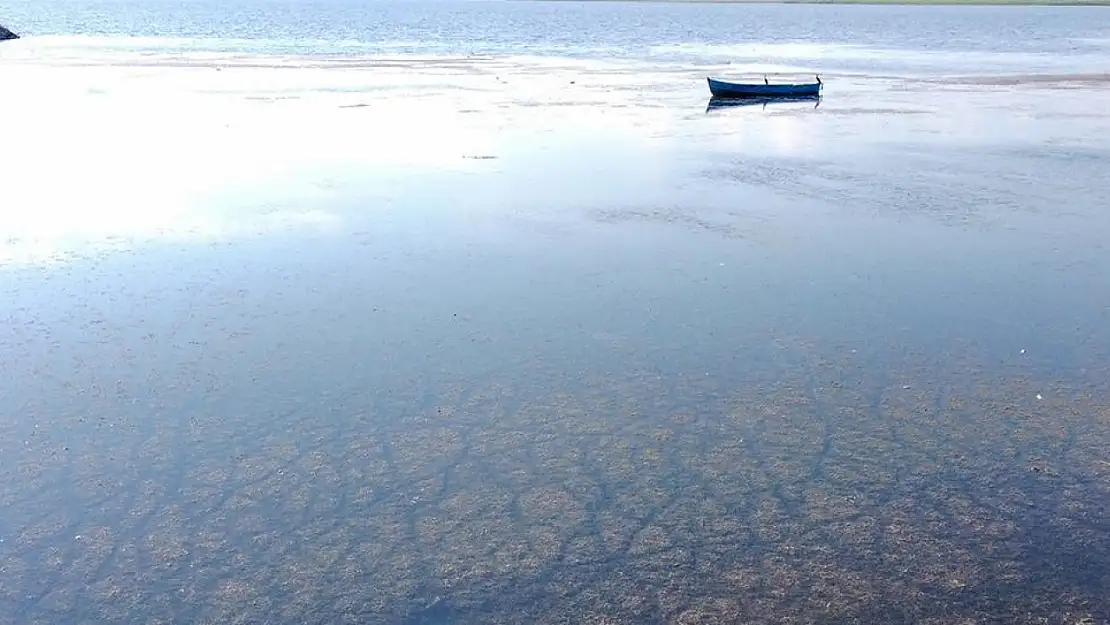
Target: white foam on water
{"x": 810, "y": 56}
{"x": 1097, "y": 42}
{"x": 767, "y": 50}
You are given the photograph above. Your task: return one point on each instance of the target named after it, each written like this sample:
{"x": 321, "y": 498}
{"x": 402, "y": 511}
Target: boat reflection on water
{"x": 721, "y": 103}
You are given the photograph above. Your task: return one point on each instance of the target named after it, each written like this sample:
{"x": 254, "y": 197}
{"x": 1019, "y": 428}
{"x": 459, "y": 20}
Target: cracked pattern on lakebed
{"x": 823, "y": 491}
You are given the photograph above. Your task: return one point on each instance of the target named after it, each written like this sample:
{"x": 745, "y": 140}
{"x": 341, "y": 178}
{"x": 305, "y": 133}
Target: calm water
{"x": 472, "y": 312}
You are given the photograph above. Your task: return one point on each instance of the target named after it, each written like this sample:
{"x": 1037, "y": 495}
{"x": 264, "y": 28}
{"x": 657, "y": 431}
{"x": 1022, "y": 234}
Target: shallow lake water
{"x": 463, "y": 330}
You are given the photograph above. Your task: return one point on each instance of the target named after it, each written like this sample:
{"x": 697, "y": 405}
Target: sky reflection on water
{"x": 543, "y": 336}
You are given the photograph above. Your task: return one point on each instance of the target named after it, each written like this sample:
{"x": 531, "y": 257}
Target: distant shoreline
{"x": 1039, "y": 3}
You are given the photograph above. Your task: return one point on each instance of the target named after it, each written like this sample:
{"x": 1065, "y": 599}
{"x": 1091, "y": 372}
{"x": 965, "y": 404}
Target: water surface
{"x": 472, "y": 312}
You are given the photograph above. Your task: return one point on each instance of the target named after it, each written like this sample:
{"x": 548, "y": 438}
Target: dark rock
{"x": 6, "y": 34}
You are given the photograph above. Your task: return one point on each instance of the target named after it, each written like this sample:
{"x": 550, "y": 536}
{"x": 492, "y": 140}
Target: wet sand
{"x": 430, "y": 349}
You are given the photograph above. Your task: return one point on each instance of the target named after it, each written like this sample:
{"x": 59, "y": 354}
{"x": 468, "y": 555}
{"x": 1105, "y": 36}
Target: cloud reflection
{"x": 119, "y": 145}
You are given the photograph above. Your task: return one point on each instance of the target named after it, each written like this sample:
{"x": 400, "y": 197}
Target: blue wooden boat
{"x": 722, "y": 89}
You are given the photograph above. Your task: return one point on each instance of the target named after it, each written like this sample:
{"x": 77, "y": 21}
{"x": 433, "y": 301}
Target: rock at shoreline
{"x": 6, "y": 34}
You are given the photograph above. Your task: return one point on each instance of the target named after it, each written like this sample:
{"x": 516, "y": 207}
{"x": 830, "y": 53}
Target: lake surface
{"x": 473, "y": 312}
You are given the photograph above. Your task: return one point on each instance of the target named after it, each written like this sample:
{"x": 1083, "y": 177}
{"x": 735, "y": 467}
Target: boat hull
{"x": 722, "y": 89}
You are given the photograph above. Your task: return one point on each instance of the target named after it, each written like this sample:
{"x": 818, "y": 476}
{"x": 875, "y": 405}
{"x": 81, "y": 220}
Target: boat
{"x": 722, "y": 89}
